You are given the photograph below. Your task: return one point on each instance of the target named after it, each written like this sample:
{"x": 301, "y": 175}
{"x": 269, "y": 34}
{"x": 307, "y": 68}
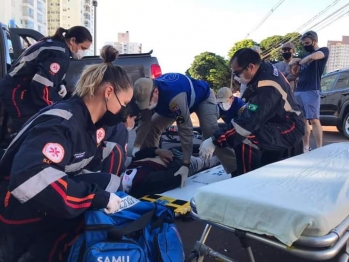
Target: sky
{"x": 178, "y": 30}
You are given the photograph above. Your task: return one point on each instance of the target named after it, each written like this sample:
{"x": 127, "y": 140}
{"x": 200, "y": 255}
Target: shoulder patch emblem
{"x": 54, "y": 67}
{"x": 100, "y": 134}
{"x": 176, "y": 110}
{"x": 54, "y": 152}
{"x": 252, "y": 107}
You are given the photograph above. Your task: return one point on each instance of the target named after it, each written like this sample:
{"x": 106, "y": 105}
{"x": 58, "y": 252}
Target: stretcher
{"x": 178, "y": 199}
{"x": 299, "y": 205}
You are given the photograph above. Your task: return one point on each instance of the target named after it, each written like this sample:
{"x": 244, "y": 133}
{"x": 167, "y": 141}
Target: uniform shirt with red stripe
{"x": 38, "y": 72}
{"x": 42, "y": 166}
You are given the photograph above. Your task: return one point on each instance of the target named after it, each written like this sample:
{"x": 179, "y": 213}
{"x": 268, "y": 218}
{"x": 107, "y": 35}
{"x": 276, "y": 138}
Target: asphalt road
{"x": 227, "y": 244}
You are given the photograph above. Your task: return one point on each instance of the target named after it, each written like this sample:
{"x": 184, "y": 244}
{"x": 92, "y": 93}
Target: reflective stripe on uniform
{"x": 78, "y": 166}
{"x": 114, "y": 184}
{"x": 52, "y": 112}
{"x": 193, "y": 95}
{"x": 42, "y": 80}
{"x": 36, "y": 184}
{"x": 109, "y": 146}
{"x": 32, "y": 56}
{"x": 283, "y": 93}
{"x": 242, "y": 131}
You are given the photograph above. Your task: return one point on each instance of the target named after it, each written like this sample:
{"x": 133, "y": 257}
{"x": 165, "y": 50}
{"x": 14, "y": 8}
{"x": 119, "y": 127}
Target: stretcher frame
{"x": 312, "y": 248}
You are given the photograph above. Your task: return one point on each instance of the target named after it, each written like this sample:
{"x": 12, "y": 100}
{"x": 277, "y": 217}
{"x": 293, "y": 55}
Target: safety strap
{"x": 118, "y": 232}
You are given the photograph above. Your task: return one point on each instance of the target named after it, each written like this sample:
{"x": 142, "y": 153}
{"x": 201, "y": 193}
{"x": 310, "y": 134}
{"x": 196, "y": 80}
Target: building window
{"x": 27, "y": 11}
{"x": 39, "y": 5}
{"x": 39, "y": 16}
{"x": 28, "y": 23}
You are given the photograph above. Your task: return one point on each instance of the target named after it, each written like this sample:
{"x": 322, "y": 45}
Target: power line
{"x": 347, "y": 12}
{"x": 266, "y": 17}
{"x": 278, "y": 45}
{"x": 302, "y": 26}
{"x": 332, "y": 14}
{"x": 317, "y": 16}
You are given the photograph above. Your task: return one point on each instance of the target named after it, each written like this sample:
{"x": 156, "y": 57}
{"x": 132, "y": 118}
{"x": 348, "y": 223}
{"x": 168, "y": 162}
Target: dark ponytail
{"x": 80, "y": 33}
{"x": 59, "y": 34}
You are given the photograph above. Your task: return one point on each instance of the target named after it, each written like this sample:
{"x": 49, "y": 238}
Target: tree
{"x": 247, "y": 43}
{"x": 269, "y": 45}
{"x": 211, "y": 68}
{"x": 295, "y": 38}
{"x": 187, "y": 72}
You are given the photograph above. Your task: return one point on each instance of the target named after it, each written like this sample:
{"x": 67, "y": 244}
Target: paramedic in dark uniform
{"x": 174, "y": 97}
{"x": 43, "y": 190}
{"x": 39, "y": 72}
{"x": 229, "y": 105}
{"x": 111, "y": 154}
{"x": 271, "y": 119}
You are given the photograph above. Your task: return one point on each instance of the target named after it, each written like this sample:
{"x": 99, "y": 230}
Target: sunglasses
{"x": 239, "y": 72}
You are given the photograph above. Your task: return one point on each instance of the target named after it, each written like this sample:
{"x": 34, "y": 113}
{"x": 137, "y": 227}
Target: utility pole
{"x": 95, "y": 26}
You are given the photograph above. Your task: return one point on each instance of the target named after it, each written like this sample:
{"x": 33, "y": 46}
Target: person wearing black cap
{"x": 283, "y": 66}
{"x": 310, "y": 69}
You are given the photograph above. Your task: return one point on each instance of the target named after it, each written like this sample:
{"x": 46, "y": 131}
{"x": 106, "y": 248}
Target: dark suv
{"x": 334, "y": 109}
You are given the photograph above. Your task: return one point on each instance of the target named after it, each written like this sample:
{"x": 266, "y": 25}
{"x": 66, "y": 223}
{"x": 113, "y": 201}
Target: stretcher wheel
{"x": 193, "y": 257}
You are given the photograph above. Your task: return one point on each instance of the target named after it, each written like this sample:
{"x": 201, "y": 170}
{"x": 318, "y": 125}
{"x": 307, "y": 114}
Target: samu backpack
{"x": 138, "y": 232}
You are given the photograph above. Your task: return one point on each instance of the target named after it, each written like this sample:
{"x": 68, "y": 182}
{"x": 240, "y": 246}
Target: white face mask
{"x": 152, "y": 105}
{"x": 225, "y": 106}
{"x": 243, "y": 80}
{"x": 237, "y": 79}
{"x": 79, "y": 54}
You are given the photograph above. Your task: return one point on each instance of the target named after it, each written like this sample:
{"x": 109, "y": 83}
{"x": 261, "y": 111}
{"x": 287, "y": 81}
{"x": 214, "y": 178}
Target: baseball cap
{"x": 287, "y": 45}
{"x": 223, "y": 94}
{"x": 310, "y": 34}
{"x": 142, "y": 90}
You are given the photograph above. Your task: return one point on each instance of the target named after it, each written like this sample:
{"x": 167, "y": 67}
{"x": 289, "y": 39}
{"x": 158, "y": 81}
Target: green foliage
{"x": 271, "y": 46}
{"x": 295, "y": 39}
{"x": 247, "y": 43}
{"x": 211, "y": 68}
{"x": 187, "y": 72}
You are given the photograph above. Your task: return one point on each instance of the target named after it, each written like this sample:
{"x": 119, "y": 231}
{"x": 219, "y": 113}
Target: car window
{"x": 343, "y": 81}
{"x": 327, "y": 82}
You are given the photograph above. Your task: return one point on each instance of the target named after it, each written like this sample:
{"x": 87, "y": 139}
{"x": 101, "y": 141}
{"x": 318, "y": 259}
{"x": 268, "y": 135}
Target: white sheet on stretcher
{"x": 305, "y": 195}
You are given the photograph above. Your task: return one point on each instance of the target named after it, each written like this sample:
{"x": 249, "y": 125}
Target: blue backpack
{"x": 138, "y": 232}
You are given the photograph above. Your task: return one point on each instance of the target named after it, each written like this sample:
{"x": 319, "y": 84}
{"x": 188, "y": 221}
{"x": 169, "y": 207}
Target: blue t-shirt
{"x": 233, "y": 111}
{"x": 310, "y": 74}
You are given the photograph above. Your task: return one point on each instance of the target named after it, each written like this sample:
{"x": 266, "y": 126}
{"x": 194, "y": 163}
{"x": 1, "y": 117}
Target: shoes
{"x": 306, "y": 150}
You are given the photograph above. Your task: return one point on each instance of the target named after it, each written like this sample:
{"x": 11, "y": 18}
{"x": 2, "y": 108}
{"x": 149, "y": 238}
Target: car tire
{"x": 345, "y": 126}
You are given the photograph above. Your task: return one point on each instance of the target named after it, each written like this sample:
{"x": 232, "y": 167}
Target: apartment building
{"x": 25, "y": 13}
{"x": 124, "y": 46}
{"x": 69, "y": 13}
{"x": 339, "y": 54}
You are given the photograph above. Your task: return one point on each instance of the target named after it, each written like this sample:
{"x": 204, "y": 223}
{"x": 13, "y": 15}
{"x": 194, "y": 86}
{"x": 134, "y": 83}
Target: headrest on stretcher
{"x": 305, "y": 195}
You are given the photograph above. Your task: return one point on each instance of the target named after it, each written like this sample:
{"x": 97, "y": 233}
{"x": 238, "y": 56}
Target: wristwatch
{"x": 186, "y": 164}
